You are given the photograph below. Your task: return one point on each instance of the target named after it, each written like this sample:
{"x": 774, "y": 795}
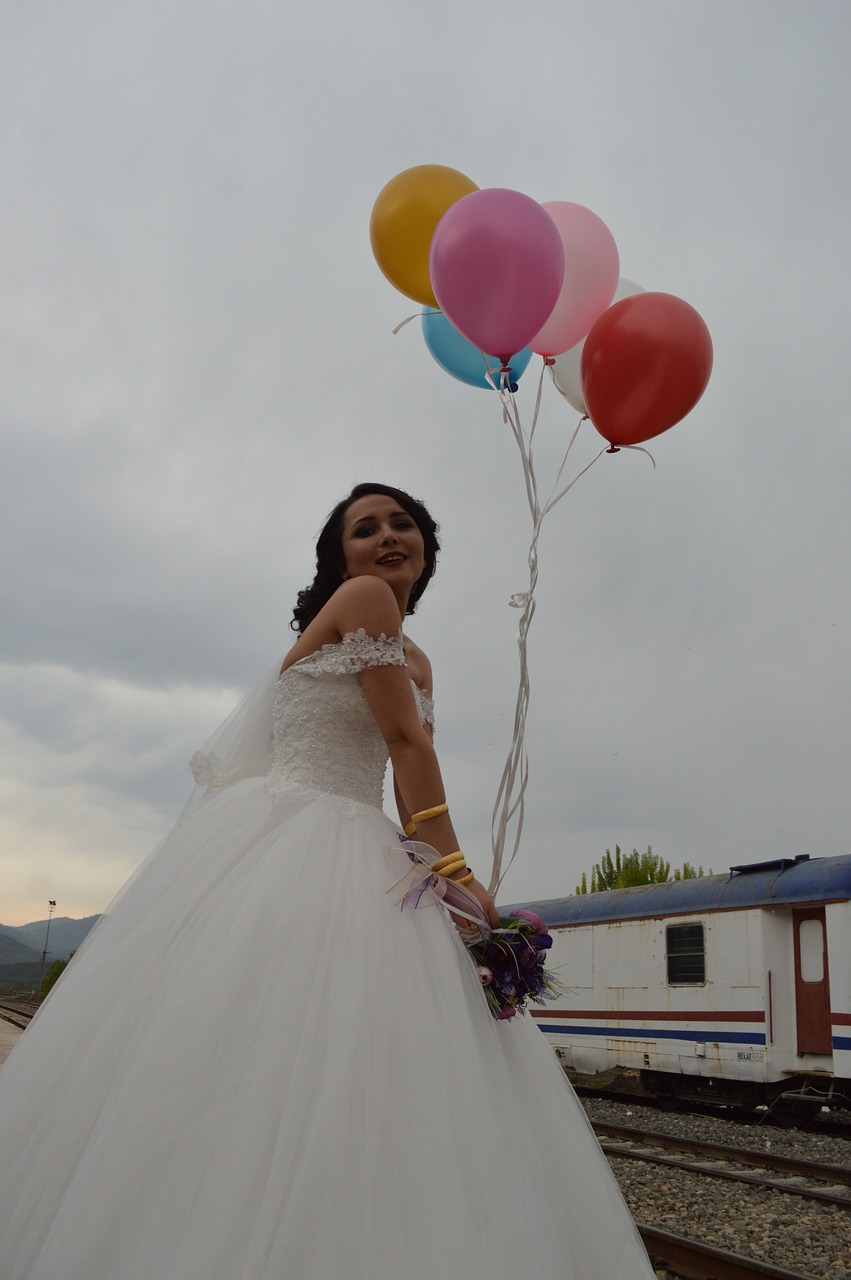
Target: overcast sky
{"x": 197, "y": 360}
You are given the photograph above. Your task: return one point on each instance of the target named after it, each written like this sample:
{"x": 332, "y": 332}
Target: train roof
{"x": 783, "y": 882}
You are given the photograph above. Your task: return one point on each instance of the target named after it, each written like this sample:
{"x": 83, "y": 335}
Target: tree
{"x": 688, "y": 872}
{"x": 636, "y": 868}
{"x": 53, "y": 973}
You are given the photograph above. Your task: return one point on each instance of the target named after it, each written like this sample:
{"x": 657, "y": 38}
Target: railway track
{"x": 639, "y": 1144}
{"x": 694, "y": 1261}
{"x": 746, "y": 1211}
{"x": 19, "y": 1013}
{"x": 812, "y": 1122}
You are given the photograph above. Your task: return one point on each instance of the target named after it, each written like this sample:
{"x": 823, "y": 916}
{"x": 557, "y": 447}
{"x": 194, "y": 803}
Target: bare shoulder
{"x": 364, "y": 589}
{"x": 364, "y": 603}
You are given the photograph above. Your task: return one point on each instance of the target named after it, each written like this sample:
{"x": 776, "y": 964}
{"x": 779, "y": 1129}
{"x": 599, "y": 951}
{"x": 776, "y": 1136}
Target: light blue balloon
{"x": 459, "y": 357}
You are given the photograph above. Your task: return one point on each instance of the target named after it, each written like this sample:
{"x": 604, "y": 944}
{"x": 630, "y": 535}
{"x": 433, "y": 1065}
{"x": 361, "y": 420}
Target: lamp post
{"x": 51, "y": 907}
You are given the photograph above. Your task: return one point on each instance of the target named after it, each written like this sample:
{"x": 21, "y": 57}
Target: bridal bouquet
{"x": 510, "y": 959}
{"x": 511, "y": 964}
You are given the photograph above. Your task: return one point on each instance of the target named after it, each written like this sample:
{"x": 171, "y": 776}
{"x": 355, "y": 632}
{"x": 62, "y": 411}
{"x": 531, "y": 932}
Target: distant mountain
{"x": 12, "y": 951}
{"x": 65, "y": 936}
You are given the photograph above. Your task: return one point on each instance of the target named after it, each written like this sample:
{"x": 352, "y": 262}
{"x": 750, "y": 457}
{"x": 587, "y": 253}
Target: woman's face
{"x": 382, "y": 539}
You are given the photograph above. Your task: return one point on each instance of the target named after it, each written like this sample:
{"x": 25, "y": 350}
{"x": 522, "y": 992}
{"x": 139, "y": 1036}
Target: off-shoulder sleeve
{"x": 425, "y": 706}
{"x": 357, "y": 651}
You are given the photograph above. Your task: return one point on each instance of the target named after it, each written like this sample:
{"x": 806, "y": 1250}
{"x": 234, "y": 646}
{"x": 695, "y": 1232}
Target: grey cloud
{"x": 197, "y": 360}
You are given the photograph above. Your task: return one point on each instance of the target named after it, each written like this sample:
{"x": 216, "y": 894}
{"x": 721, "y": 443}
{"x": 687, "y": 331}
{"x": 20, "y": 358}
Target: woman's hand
{"x": 485, "y": 901}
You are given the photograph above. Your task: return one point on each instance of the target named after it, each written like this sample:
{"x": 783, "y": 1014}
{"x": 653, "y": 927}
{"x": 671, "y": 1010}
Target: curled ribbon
{"x": 408, "y": 320}
{"x": 427, "y": 889}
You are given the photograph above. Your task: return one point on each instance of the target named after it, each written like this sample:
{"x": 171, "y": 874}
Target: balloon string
{"x": 558, "y": 388}
{"x": 567, "y": 488}
{"x": 612, "y": 448}
{"x": 535, "y": 416}
{"x": 509, "y": 805}
{"x": 551, "y": 501}
{"x": 415, "y": 316}
{"x": 511, "y": 415}
{"x": 638, "y": 449}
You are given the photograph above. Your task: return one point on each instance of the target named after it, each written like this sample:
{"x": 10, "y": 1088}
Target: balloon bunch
{"x": 505, "y": 275}
{"x": 502, "y": 274}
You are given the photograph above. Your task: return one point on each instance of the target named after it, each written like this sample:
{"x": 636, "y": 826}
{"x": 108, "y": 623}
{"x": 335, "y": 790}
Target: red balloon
{"x": 645, "y": 365}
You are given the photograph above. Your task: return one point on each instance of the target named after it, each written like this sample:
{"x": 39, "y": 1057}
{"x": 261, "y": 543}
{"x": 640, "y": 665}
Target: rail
{"x": 834, "y": 1175}
{"x": 696, "y": 1261}
{"x": 723, "y": 1111}
{"x": 19, "y": 1013}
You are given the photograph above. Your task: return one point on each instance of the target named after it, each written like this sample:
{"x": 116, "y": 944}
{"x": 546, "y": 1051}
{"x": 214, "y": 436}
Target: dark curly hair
{"x": 330, "y": 561}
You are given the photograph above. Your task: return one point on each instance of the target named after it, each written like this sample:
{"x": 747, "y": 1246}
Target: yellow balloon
{"x": 403, "y": 221}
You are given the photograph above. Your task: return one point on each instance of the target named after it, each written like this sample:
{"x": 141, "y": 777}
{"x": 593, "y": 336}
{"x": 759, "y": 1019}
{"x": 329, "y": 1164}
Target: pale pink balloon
{"x": 496, "y": 266}
{"x": 567, "y": 370}
{"x": 591, "y": 267}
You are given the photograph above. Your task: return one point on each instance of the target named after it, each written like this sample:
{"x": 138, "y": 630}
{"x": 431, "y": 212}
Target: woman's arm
{"x": 367, "y": 603}
{"x": 416, "y": 772}
{"x": 401, "y": 807}
{"x": 416, "y": 676}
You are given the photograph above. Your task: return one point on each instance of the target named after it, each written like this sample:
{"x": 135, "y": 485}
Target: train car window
{"x": 686, "y": 954}
{"x": 811, "y": 944}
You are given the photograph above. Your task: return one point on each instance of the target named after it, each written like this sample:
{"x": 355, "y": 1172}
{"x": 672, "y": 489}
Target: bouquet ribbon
{"x": 425, "y": 888}
{"x": 509, "y": 959}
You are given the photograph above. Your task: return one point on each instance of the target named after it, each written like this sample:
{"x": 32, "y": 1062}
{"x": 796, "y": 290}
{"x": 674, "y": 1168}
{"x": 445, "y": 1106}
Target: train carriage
{"x": 734, "y": 985}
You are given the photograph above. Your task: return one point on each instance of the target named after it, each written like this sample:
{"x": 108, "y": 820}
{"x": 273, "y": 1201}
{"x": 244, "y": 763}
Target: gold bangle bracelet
{"x": 437, "y": 812}
{"x": 448, "y": 867}
{"x": 465, "y": 880}
{"x": 460, "y": 865}
{"x": 447, "y": 857}
{"x": 410, "y": 828}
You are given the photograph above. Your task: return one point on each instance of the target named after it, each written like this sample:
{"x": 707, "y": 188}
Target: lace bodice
{"x": 324, "y": 734}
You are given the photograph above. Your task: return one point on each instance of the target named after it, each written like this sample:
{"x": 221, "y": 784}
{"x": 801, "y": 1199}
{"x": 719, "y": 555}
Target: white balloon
{"x": 567, "y": 369}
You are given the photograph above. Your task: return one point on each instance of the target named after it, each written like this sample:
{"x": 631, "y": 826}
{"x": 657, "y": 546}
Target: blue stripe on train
{"x": 842, "y": 1042}
{"x": 652, "y": 1033}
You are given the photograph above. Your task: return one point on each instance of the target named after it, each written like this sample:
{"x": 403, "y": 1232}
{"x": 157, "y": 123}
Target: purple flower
{"x": 534, "y": 920}
{"x": 510, "y": 964}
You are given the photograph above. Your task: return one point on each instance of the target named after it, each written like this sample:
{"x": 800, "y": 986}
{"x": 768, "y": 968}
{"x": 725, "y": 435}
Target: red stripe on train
{"x": 659, "y": 1015}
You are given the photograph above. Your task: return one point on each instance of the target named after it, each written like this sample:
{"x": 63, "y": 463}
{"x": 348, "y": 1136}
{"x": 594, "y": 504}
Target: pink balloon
{"x": 591, "y": 266}
{"x": 496, "y": 266}
{"x": 567, "y": 370}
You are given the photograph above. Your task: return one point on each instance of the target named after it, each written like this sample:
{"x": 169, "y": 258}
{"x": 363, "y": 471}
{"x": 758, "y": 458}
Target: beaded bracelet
{"x": 410, "y": 828}
{"x": 465, "y": 880}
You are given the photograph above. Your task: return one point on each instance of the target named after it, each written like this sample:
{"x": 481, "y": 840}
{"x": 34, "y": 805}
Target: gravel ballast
{"x": 769, "y": 1225}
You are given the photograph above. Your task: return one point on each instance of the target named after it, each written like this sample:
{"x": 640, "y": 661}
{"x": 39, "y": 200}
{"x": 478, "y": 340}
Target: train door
{"x": 812, "y": 994}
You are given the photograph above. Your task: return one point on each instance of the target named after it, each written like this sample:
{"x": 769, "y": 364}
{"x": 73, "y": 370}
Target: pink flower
{"x": 507, "y": 1011}
{"x": 485, "y": 975}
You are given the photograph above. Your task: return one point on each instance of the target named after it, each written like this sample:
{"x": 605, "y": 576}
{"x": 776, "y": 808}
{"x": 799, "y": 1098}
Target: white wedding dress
{"x": 259, "y": 1068}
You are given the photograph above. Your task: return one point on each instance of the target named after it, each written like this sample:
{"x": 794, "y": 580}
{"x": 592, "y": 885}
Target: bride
{"x": 258, "y": 1067}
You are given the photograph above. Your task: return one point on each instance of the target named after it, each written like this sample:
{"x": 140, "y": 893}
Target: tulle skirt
{"x": 259, "y": 1068}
